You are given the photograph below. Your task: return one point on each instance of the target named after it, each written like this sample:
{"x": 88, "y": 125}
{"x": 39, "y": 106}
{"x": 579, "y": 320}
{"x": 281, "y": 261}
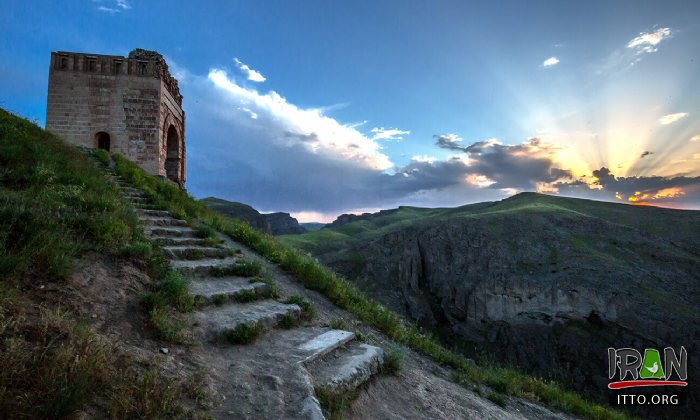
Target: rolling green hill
{"x": 541, "y": 282}
{"x": 676, "y": 225}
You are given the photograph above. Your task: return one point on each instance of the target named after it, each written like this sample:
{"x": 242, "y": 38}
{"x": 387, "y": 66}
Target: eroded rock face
{"x": 549, "y": 293}
{"x": 274, "y": 223}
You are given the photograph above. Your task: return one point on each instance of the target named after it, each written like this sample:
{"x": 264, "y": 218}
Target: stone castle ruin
{"x": 129, "y": 105}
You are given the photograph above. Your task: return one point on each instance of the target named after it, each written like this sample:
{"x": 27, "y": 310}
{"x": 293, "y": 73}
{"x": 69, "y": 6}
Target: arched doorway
{"x": 102, "y": 140}
{"x": 172, "y": 160}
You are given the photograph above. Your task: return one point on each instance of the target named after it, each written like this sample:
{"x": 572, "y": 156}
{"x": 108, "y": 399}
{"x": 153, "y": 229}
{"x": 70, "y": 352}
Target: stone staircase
{"x": 330, "y": 360}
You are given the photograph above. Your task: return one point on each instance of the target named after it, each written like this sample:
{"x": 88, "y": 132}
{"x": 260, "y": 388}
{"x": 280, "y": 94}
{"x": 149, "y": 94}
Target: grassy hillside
{"x": 490, "y": 276}
{"x": 55, "y": 209}
{"x": 309, "y": 272}
{"x": 678, "y": 225}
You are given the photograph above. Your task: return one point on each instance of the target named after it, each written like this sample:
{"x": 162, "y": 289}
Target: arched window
{"x": 172, "y": 161}
{"x": 102, "y": 140}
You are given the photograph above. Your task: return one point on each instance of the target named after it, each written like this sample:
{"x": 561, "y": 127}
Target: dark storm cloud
{"x": 261, "y": 150}
{"x": 681, "y": 190}
{"x": 522, "y": 166}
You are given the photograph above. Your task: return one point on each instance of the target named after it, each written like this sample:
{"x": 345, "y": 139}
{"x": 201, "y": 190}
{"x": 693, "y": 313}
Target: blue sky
{"x": 324, "y": 107}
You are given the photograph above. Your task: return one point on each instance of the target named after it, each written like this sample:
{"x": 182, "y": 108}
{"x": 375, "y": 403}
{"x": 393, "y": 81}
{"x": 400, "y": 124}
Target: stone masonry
{"x": 128, "y": 105}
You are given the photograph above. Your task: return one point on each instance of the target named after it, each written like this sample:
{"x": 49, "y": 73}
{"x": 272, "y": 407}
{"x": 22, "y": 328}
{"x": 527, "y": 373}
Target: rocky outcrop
{"x": 548, "y": 292}
{"x": 274, "y": 223}
{"x": 344, "y": 219}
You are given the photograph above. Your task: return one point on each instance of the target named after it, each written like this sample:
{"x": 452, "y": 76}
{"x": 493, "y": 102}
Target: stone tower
{"x": 129, "y": 105}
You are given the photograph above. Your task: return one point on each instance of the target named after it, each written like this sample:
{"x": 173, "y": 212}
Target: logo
{"x": 650, "y": 370}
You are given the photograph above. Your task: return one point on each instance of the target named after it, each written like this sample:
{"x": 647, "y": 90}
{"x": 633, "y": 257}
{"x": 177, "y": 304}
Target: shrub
{"x": 498, "y": 399}
{"x": 244, "y": 333}
{"x": 308, "y": 310}
{"x": 246, "y": 295}
{"x": 394, "y": 360}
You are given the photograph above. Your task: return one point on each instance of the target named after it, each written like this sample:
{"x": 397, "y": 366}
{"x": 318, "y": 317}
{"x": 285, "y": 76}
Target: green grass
{"x": 289, "y": 321}
{"x": 244, "y": 268}
{"x": 334, "y": 403}
{"x": 308, "y": 310}
{"x": 54, "y": 204}
{"x": 244, "y": 333}
{"x": 394, "y": 360}
{"x": 497, "y": 399}
{"x": 219, "y": 300}
{"x": 53, "y": 367}
{"x": 273, "y": 290}
{"x": 313, "y": 275}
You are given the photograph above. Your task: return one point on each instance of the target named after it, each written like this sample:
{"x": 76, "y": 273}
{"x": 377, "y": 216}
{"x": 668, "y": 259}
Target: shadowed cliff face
{"x": 546, "y": 291}
{"x": 274, "y": 223}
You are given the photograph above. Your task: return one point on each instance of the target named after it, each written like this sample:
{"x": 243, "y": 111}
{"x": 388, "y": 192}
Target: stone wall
{"x": 132, "y": 99}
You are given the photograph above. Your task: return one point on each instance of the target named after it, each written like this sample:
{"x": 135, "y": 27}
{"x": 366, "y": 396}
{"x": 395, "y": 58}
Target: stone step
{"x": 154, "y": 213}
{"x": 146, "y": 206}
{"x": 193, "y": 252}
{"x": 203, "y": 268}
{"x": 221, "y": 322}
{"x": 206, "y": 290}
{"x": 138, "y": 199}
{"x": 133, "y": 191}
{"x": 324, "y": 343}
{"x": 171, "y": 231}
{"x": 162, "y": 221}
{"x": 176, "y": 240}
{"x": 347, "y": 367}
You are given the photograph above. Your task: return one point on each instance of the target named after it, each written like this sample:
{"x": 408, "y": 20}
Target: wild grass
{"x": 334, "y": 403}
{"x": 244, "y": 333}
{"x": 311, "y": 273}
{"x": 394, "y": 360}
{"x": 244, "y": 268}
{"x": 53, "y": 367}
{"x": 308, "y": 310}
{"x": 497, "y": 399}
{"x": 54, "y": 204}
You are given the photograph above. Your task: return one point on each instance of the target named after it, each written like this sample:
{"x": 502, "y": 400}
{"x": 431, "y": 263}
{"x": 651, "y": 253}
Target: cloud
{"x": 695, "y": 138}
{"x": 113, "y": 7}
{"x": 251, "y": 74}
{"x": 258, "y": 148}
{"x": 673, "y": 191}
{"x": 647, "y": 42}
{"x": 551, "y": 61}
{"x": 382, "y": 133}
{"x": 526, "y": 166}
{"x": 671, "y": 118}
{"x": 448, "y": 141}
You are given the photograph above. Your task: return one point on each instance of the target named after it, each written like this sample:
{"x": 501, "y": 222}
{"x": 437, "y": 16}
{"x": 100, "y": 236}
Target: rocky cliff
{"x": 538, "y": 283}
{"x": 274, "y": 223}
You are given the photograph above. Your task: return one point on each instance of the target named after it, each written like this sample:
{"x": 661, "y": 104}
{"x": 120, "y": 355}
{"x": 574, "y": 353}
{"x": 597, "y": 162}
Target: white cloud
{"x": 551, "y": 61}
{"x": 695, "y": 138}
{"x": 251, "y": 74}
{"x": 382, "y": 133}
{"x": 671, "y": 118}
{"x": 307, "y": 128}
{"x": 647, "y": 42}
{"x": 113, "y": 7}
{"x": 252, "y": 114}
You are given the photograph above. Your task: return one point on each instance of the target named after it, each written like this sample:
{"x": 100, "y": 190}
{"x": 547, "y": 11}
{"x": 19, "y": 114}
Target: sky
{"x": 319, "y": 108}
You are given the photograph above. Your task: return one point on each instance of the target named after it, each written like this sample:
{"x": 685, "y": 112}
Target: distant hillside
{"x": 274, "y": 223}
{"x": 312, "y": 226}
{"x": 544, "y": 282}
